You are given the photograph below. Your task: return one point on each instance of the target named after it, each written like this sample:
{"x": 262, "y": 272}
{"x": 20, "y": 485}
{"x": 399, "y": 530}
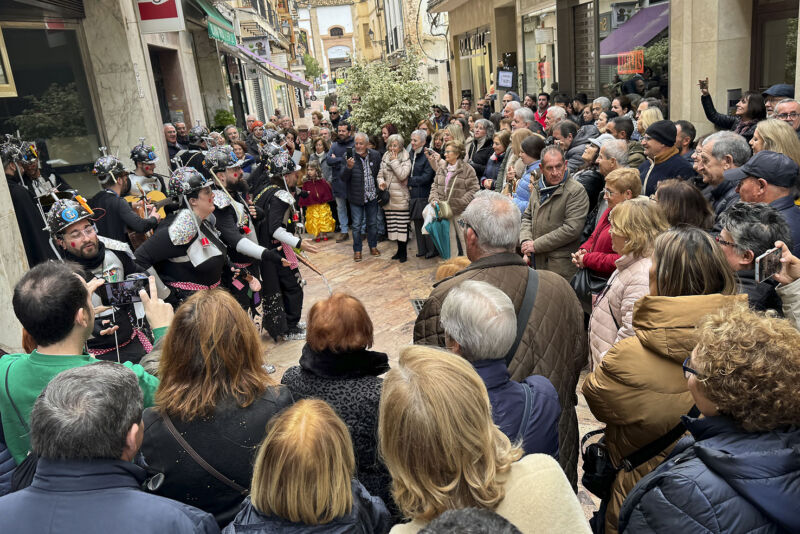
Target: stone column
{"x": 13, "y": 264}
{"x": 210, "y": 74}
{"x": 708, "y": 38}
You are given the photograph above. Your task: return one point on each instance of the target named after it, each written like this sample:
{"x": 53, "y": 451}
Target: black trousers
{"x": 281, "y": 299}
{"x": 424, "y": 241}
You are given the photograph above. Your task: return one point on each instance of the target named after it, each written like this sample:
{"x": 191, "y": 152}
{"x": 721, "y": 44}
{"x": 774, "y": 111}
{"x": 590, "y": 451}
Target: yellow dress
{"x": 319, "y": 219}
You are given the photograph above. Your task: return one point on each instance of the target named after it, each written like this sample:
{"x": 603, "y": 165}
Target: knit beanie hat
{"x": 663, "y": 131}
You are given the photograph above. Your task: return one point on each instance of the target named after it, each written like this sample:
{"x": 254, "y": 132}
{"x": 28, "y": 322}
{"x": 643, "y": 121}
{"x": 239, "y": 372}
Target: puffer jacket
{"x": 593, "y": 182}
{"x": 522, "y": 195}
{"x": 635, "y": 154}
{"x": 600, "y": 258}
{"x": 480, "y": 155}
{"x": 463, "y": 183}
{"x": 354, "y": 178}
{"x": 721, "y": 479}
{"x": 555, "y": 226}
{"x": 629, "y": 283}
{"x": 422, "y": 174}
{"x": 395, "y": 172}
{"x": 639, "y": 390}
{"x": 490, "y": 172}
{"x": 574, "y": 154}
{"x": 553, "y": 344}
{"x": 337, "y": 161}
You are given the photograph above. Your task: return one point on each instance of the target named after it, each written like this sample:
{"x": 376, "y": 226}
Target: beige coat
{"x": 395, "y": 172}
{"x": 629, "y": 283}
{"x": 464, "y": 184}
{"x": 555, "y": 226}
{"x": 639, "y": 390}
{"x": 538, "y": 499}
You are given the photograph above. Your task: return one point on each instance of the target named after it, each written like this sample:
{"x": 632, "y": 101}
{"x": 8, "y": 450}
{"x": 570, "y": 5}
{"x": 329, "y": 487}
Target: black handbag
{"x": 599, "y": 471}
{"x": 383, "y": 196}
{"x": 585, "y": 283}
{"x": 25, "y": 471}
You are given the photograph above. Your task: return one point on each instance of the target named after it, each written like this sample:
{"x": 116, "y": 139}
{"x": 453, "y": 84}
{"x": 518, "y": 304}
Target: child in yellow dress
{"x": 319, "y": 219}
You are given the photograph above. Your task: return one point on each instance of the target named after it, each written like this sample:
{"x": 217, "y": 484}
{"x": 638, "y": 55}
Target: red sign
{"x": 158, "y": 16}
{"x": 630, "y": 62}
{"x": 544, "y": 70}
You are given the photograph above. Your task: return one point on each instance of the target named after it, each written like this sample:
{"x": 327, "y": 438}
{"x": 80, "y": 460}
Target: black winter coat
{"x": 480, "y": 157}
{"x": 228, "y": 440}
{"x": 349, "y": 383}
{"x": 422, "y": 174}
{"x": 354, "y": 178}
{"x": 593, "y": 182}
{"x": 118, "y": 217}
{"x": 761, "y": 296}
{"x": 720, "y": 479}
{"x": 727, "y": 122}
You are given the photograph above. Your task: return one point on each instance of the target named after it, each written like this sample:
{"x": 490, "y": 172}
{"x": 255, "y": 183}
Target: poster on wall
{"x": 156, "y": 16}
{"x": 258, "y": 46}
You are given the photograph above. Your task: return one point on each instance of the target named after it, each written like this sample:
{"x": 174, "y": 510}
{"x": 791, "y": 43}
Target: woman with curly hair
{"x": 444, "y": 452}
{"x": 740, "y": 468}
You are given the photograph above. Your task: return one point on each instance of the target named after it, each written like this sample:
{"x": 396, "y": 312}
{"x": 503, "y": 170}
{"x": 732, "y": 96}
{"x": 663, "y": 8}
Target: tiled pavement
{"x": 385, "y": 287}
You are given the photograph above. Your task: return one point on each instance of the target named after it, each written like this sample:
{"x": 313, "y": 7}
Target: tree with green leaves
{"x": 398, "y": 96}
{"x": 313, "y": 70}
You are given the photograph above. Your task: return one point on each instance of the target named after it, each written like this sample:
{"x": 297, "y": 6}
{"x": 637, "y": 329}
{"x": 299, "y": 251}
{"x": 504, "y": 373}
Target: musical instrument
{"x": 142, "y": 208}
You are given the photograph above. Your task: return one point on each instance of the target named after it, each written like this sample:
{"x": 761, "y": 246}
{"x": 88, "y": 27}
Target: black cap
{"x": 776, "y": 168}
{"x": 780, "y": 89}
{"x": 663, "y": 131}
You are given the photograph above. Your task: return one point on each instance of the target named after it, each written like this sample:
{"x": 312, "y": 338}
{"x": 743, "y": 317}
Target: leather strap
{"x": 526, "y": 415}
{"x": 13, "y": 404}
{"x": 199, "y": 459}
{"x": 524, "y": 312}
{"x": 652, "y": 449}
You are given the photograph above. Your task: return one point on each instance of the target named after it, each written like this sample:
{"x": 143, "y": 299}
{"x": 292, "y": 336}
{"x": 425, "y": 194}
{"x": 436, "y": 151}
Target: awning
{"x": 218, "y": 26}
{"x": 291, "y": 79}
{"x": 639, "y": 30}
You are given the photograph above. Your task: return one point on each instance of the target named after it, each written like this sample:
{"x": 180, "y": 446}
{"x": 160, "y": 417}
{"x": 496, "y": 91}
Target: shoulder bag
{"x": 445, "y": 211}
{"x": 599, "y": 471}
{"x": 25, "y": 471}
{"x": 383, "y": 194}
{"x": 524, "y": 312}
{"x": 199, "y": 459}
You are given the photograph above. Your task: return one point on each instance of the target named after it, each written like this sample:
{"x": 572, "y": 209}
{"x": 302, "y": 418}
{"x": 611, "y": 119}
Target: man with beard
{"x": 194, "y": 155}
{"x": 283, "y": 291}
{"x": 117, "y": 335}
{"x": 180, "y": 129}
{"x": 234, "y": 221}
{"x": 116, "y": 217}
{"x": 26, "y": 208}
{"x": 144, "y": 176}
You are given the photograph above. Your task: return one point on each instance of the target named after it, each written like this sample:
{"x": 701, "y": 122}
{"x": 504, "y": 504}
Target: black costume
{"x": 31, "y": 223}
{"x": 115, "y": 216}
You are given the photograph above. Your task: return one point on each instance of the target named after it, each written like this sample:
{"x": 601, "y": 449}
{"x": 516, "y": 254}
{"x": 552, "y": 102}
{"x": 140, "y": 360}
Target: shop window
{"x": 774, "y": 43}
{"x": 54, "y": 106}
{"x": 539, "y": 47}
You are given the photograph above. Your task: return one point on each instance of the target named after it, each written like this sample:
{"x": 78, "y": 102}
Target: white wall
{"x": 328, "y": 16}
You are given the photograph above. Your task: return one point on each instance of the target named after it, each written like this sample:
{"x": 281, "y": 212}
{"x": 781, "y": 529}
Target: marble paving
{"x": 385, "y": 287}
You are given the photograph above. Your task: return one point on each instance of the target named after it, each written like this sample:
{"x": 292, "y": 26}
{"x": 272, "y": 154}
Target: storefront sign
{"x": 630, "y": 62}
{"x": 258, "y": 46}
{"x": 543, "y": 36}
{"x": 221, "y": 34}
{"x": 158, "y": 16}
{"x": 474, "y": 42}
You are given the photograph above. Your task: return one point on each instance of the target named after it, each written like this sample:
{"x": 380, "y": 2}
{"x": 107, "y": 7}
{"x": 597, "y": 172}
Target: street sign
{"x": 158, "y": 16}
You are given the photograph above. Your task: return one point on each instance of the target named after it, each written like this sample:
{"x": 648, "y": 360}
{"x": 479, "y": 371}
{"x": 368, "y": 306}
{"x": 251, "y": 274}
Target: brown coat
{"x": 464, "y": 188}
{"x": 554, "y": 343}
{"x": 395, "y": 172}
{"x": 639, "y": 390}
{"x": 555, "y": 226}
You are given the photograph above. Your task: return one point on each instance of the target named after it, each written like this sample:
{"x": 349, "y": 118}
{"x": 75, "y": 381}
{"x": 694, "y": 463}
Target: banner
{"x": 158, "y": 16}
{"x": 630, "y": 62}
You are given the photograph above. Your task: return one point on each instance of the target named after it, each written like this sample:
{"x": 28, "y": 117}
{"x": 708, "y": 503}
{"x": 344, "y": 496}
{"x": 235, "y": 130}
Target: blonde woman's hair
{"x": 456, "y": 132}
{"x": 517, "y": 136}
{"x": 749, "y": 367}
{"x": 640, "y": 221}
{"x": 625, "y": 179}
{"x": 437, "y": 437}
{"x": 305, "y": 465}
{"x": 687, "y": 261}
{"x": 458, "y": 146}
{"x": 648, "y": 117}
{"x": 779, "y": 136}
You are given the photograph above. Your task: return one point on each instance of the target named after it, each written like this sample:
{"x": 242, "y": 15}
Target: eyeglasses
{"x": 88, "y": 231}
{"x": 791, "y": 116}
{"x": 334, "y": 112}
{"x": 721, "y": 241}
{"x": 688, "y": 370}
{"x": 464, "y": 225}
{"x": 646, "y": 138}
{"x": 609, "y": 192}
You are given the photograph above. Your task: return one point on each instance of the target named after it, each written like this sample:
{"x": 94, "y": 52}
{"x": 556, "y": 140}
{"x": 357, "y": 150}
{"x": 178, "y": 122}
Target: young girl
{"x": 319, "y": 219}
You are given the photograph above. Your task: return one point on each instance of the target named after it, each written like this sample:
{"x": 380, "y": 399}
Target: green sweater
{"x": 29, "y": 375}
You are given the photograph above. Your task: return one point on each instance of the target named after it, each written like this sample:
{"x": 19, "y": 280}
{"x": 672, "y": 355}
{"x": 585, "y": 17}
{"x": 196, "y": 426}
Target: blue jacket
{"x": 97, "y": 496}
{"x": 422, "y": 174}
{"x": 492, "y": 167}
{"x": 508, "y": 403}
{"x": 522, "y": 195}
{"x": 791, "y": 214}
{"x": 338, "y": 164}
{"x": 674, "y": 167}
{"x": 720, "y": 479}
{"x": 7, "y": 467}
{"x": 368, "y": 516}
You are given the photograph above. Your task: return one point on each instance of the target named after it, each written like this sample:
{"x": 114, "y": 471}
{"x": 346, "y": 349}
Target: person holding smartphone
{"x": 336, "y": 159}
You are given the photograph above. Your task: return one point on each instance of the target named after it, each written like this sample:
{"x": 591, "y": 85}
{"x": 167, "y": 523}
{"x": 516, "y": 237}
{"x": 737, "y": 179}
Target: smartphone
{"x": 768, "y": 264}
{"x": 704, "y": 84}
{"x": 428, "y": 150}
{"x": 349, "y": 152}
{"x": 125, "y": 292}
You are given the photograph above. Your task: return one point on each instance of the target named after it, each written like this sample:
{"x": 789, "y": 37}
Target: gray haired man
{"x": 553, "y": 343}
{"x": 86, "y": 428}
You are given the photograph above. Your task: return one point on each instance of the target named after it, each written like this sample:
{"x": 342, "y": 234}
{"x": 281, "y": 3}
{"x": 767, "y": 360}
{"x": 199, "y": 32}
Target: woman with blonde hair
{"x": 647, "y": 118}
{"x": 216, "y": 395}
{"x": 514, "y": 166}
{"x": 393, "y": 175}
{"x": 638, "y": 390}
{"x": 777, "y": 136}
{"x": 435, "y": 401}
{"x": 303, "y": 479}
{"x": 739, "y": 468}
{"x": 634, "y": 226}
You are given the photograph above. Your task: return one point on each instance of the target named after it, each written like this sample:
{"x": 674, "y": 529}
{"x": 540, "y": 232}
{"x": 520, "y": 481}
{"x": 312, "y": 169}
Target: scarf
{"x": 545, "y": 191}
{"x": 88, "y": 264}
{"x": 351, "y": 364}
{"x": 450, "y": 170}
{"x": 664, "y": 156}
{"x": 369, "y": 183}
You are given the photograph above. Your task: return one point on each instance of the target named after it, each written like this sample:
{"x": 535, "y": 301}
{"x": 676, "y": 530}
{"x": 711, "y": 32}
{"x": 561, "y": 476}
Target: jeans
{"x": 341, "y": 208}
{"x": 381, "y": 222}
{"x": 370, "y": 211}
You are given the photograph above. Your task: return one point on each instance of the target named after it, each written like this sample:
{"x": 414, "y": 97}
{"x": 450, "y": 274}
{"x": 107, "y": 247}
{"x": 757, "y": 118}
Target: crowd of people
{"x": 594, "y": 237}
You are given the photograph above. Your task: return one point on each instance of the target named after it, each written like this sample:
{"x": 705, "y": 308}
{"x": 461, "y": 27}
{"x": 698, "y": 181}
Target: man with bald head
{"x": 510, "y": 108}
{"x": 788, "y": 111}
